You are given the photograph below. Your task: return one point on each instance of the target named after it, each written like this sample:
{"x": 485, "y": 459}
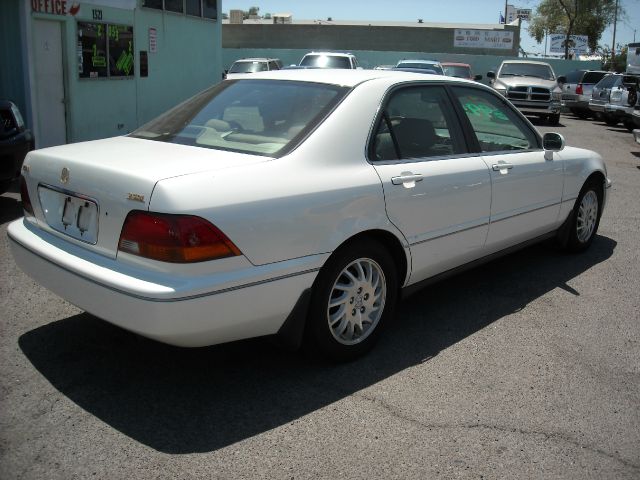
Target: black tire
{"x": 610, "y": 120}
{"x": 578, "y": 239}
{"x": 553, "y": 119}
{"x": 628, "y": 124}
{"x": 632, "y": 99}
{"x": 332, "y": 342}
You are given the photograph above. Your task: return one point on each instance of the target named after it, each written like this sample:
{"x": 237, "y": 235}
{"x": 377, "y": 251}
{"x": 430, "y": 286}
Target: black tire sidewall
{"x": 318, "y": 334}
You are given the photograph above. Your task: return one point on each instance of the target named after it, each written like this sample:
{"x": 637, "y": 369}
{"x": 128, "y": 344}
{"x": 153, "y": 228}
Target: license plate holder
{"x": 70, "y": 213}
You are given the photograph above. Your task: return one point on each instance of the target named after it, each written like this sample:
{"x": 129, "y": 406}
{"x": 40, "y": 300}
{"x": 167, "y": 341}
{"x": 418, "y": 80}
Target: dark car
{"x": 576, "y": 92}
{"x": 15, "y": 141}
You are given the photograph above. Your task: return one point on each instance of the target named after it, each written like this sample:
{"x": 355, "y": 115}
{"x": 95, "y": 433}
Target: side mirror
{"x": 491, "y": 75}
{"x": 477, "y": 78}
{"x": 562, "y": 79}
{"x": 552, "y": 142}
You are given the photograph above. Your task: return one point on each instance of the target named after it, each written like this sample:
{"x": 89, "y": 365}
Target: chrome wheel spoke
{"x": 356, "y": 301}
{"x": 587, "y": 216}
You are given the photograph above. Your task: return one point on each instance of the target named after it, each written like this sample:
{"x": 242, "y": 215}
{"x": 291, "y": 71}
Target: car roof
{"x": 532, "y": 62}
{"x": 347, "y": 77}
{"x": 454, "y": 64}
{"x": 427, "y": 62}
{"x": 261, "y": 59}
{"x": 331, "y": 54}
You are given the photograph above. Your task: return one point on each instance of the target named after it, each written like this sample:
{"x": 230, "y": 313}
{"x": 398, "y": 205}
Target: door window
{"x": 416, "y": 123}
{"x": 496, "y": 126}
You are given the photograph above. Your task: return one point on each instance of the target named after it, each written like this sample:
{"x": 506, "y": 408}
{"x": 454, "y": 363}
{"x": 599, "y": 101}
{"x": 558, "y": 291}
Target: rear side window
{"x": 496, "y": 126}
{"x": 592, "y": 77}
{"x": 263, "y": 117}
{"x": 416, "y": 123}
{"x": 248, "y": 67}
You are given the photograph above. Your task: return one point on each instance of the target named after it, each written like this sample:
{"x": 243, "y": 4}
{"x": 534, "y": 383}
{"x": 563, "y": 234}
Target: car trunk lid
{"x": 84, "y": 191}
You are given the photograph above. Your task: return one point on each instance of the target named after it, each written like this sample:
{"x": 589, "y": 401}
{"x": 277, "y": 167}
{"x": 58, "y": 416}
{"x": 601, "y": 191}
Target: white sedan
{"x": 298, "y": 203}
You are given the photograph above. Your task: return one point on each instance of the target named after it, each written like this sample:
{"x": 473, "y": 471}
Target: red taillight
{"x": 174, "y": 238}
{"x": 24, "y": 195}
{"x": 579, "y": 89}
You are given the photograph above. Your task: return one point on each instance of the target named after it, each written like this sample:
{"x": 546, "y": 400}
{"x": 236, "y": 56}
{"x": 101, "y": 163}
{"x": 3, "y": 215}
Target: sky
{"x": 447, "y": 11}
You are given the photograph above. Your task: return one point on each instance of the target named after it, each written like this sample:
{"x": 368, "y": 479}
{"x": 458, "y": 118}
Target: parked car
{"x": 252, "y": 65}
{"x": 531, "y": 86}
{"x": 623, "y": 101}
{"x": 600, "y": 96}
{"x": 459, "y": 70}
{"x": 412, "y": 65}
{"x": 291, "y": 203}
{"x": 576, "y": 92}
{"x": 15, "y": 141}
{"x": 330, "y": 60}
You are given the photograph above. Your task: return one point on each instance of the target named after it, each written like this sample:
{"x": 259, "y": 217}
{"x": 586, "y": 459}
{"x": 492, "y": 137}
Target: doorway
{"x": 49, "y": 106}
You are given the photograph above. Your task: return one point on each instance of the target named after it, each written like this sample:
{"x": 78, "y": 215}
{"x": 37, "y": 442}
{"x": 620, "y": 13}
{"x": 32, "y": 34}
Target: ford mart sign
{"x": 577, "y": 43}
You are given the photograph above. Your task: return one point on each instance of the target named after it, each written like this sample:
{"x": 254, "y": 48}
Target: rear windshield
{"x": 609, "y": 81}
{"x": 457, "y": 71}
{"x": 575, "y": 76}
{"x": 593, "y": 77}
{"x": 262, "y": 117}
{"x": 527, "y": 70}
{"x": 325, "y": 61}
{"x": 248, "y": 67}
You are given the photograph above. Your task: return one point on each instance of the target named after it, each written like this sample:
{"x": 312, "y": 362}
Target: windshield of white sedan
{"x": 527, "y": 70}
{"x": 263, "y": 117}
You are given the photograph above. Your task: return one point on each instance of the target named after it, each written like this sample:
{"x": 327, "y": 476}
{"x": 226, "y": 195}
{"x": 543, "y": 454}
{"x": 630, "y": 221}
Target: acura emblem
{"x": 64, "y": 175}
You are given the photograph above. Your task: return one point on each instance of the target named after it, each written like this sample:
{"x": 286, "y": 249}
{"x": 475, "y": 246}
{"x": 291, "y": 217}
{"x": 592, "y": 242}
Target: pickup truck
{"x": 531, "y": 86}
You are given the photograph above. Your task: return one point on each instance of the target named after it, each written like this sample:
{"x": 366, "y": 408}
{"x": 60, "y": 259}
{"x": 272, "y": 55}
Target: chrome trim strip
{"x": 528, "y": 211}
{"x": 163, "y": 300}
{"x": 489, "y": 222}
{"x": 450, "y": 233}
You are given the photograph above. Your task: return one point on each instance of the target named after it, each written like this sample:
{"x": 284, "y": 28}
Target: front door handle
{"x": 502, "y": 166}
{"x": 407, "y": 178}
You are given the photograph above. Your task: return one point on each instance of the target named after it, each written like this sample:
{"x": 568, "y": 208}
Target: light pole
{"x": 613, "y": 44}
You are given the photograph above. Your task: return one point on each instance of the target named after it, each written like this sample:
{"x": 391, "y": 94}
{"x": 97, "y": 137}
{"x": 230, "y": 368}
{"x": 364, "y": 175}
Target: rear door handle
{"x": 502, "y": 166}
{"x": 407, "y": 178}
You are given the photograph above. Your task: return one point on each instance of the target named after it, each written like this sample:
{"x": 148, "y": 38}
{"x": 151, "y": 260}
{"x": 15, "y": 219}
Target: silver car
{"x": 576, "y": 92}
{"x": 600, "y": 96}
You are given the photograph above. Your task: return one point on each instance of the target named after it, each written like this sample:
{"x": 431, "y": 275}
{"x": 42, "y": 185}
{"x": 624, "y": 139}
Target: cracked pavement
{"x": 527, "y": 367}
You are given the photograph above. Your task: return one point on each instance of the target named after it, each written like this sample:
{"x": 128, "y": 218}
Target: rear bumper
{"x": 164, "y": 307}
{"x": 618, "y": 110}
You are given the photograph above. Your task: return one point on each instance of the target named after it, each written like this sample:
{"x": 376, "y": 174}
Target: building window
{"x": 174, "y": 6}
{"x": 105, "y": 50}
{"x": 152, "y": 4}
{"x": 195, "y": 8}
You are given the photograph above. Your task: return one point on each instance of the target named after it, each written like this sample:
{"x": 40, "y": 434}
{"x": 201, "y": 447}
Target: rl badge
{"x": 64, "y": 175}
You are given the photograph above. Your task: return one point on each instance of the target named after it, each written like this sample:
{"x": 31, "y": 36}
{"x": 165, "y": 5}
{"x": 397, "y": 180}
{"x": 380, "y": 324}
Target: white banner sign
{"x": 498, "y": 39}
{"x": 522, "y": 13}
{"x": 577, "y": 43}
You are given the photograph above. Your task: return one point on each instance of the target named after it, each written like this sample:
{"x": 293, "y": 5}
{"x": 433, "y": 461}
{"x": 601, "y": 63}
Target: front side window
{"x": 262, "y": 117}
{"x": 416, "y": 123}
{"x": 496, "y": 126}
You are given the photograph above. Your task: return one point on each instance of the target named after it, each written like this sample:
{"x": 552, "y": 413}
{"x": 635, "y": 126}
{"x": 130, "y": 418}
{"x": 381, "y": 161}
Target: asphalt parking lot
{"x": 528, "y": 367}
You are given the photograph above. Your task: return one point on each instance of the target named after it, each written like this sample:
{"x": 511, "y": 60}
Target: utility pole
{"x": 505, "y": 11}
{"x": 613, "y": 44}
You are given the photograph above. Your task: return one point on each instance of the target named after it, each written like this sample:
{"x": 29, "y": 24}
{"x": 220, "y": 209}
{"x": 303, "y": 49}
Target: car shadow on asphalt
{"x": 181, "y": 401}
